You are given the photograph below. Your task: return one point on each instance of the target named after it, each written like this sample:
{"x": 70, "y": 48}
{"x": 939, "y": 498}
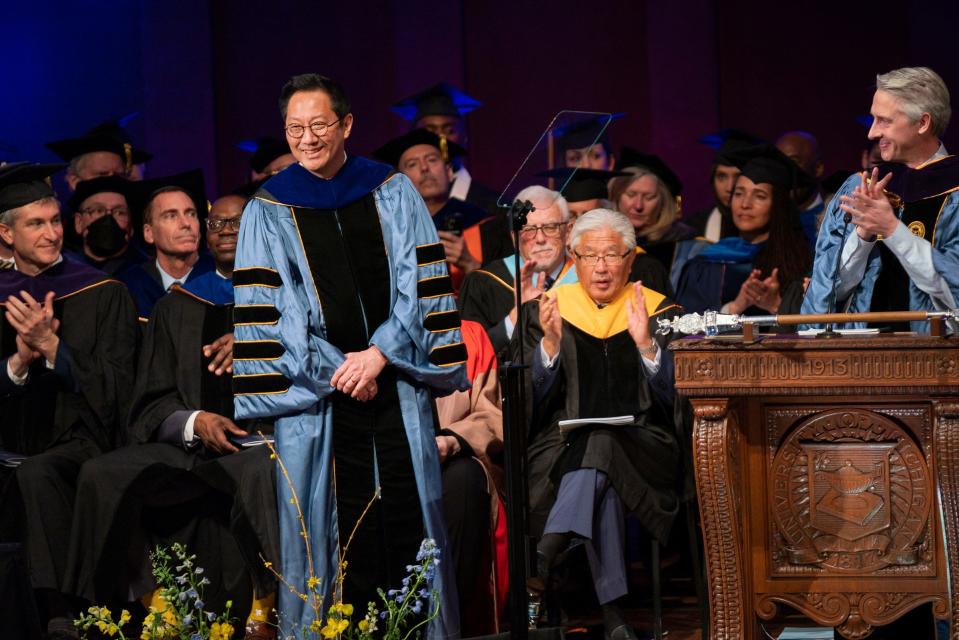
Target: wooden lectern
{"x": 827, "y": 472}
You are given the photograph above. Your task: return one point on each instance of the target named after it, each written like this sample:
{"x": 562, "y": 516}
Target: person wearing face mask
{"x": 103, "y": 221}
{"x": 761, "y": 269}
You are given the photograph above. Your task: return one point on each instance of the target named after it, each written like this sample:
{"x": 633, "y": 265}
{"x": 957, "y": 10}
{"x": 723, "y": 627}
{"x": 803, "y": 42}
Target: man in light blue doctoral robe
{"x": 281, "y": 319}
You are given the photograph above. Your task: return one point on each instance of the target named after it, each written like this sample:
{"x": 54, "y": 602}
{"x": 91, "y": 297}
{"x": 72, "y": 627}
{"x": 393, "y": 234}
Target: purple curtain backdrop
{"x": 204, "y": 75}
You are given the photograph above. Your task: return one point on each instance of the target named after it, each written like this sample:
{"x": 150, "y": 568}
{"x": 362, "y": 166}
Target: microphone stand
{"x": 515, "y": 426}
{"x": 829, "y": 332}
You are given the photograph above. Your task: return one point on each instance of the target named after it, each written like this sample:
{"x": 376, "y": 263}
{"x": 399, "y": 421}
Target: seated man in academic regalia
{"x": 187, "y": 477}
{"x": 802, "y": 148}
{"x": 104, "y": 150}
{"x": 593, "y": 355}
{"x": 68, "y": 338}
{"x": 172, "y": 209}
{"x": 470, "y": 236}
{"x": 102, "y": 218}
{"x": 488, "y": 295}
{"x": 441, "y": 110}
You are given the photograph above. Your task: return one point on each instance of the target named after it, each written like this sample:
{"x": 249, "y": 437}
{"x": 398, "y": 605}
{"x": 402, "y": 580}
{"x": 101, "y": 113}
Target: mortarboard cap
{"x": 105, "y": 184}
{"x": 395, "y": 148}
{"x": 766, "y": 163}
{"x": 585, "y": 133}
{"x": 24, "y": 182}
{"x": 442, "y": 99}
{"x": 630, "y": 157}
{"x": 264, "y": 151}
{"x": 107, "y": 136}
{"x": 726, "y": 141}
{"x": 583, "y": 184}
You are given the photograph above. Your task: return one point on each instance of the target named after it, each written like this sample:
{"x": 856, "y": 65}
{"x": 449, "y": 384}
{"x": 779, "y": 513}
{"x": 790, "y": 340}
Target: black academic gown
{"x": 71, "y": 413}
{"x": 598, "y": 377}
{"x": 160, "y": 491}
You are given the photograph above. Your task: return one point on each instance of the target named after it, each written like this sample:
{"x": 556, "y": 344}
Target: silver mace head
{"x": 709, "y": 323}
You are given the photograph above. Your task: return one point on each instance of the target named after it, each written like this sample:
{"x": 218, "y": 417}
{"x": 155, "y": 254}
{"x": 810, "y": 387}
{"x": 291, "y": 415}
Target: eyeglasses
{"x": 550, "y": 230}
{"x": 611, "y": 259}
{"x": 319, "y": 129}
{"x": 102, "y": 211}
{"x": 218, "y": 224}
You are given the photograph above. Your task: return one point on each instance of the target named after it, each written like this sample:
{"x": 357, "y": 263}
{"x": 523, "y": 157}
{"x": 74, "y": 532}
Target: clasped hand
{"x": 357, "y": 375}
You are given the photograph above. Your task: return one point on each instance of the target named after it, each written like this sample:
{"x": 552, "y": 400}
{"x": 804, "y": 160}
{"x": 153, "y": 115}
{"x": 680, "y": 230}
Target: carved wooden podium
{"x": 820, "y": 465}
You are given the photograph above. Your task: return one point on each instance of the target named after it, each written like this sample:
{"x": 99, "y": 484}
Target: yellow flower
{"x": 124, "y": 616}
{"x": 225, "y": 631}
{"x": 329, "y": 631}
{"x": 102, "y": 626}
{"x": 313, "y": 582}
{"x": 363, "y": 625}
{"x": 346, "y": 609}
{"x": 112, "y": 630}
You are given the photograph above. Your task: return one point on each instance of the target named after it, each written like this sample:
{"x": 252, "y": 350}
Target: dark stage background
{"x": 205, "y": 74}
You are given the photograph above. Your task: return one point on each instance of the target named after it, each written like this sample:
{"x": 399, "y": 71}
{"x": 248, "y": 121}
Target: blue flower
{"x": 198, "y": 571}
{"x": 406, "y": 581}
{"x": 210, "y": 616}
{"x": 182, "y": 596}
{"x": 410, "y": 567}
{"x": 399, "y": 599}
{"x": 417, "y": 606}
{"x": 424, "y": 593}
{"x": 196, "y": 636}
{"x": 198, "y": 604}
{"x": 382, "y": 615}
{"x": 191, "y": 593}
{"x": 187, "y": 619}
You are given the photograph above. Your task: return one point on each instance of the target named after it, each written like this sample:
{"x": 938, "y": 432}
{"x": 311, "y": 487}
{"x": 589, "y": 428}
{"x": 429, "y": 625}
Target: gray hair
{"x": 9, "y": 216}
{"x": 541, "y": 195}
{"x": 76, "y": 165}
{"x": 603, "y": 219}
{"x": 919, "y": 90}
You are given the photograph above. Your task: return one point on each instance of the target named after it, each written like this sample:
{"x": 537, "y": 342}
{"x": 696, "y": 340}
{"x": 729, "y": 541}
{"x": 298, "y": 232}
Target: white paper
{"x": 565, "y": 426}
{"x": 844, "y": 332}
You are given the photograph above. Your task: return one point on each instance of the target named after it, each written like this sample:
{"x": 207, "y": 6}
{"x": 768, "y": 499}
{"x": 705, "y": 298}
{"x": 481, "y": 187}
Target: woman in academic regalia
{"x": 761, "y": 269}
{"x": 650, "y": 196}
{"x": 594, "y": 354}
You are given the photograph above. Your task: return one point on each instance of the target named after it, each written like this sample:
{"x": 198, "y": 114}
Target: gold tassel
{"x": 128, "y": 153}
{"x": 444, "y": 149}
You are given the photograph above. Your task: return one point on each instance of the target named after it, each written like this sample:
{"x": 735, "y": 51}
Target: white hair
{"x": 9, "y": 216}
{"x": 539, "y": 195}
{"x": 919, "y": 90}
{"x": 603, "y": 219}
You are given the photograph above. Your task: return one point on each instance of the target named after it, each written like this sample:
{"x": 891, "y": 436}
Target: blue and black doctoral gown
{"x": 324, "y": 268}
{"x": 160, "y": 490}
{"x": 929, "y": 196}
{"x": 68, "y": 414}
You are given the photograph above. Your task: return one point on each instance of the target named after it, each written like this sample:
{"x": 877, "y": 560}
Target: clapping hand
{"x": 870, "y": 209}
{"x": 552, "y": 324}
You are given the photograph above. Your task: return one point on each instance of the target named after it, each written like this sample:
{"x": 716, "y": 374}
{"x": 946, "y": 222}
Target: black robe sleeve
{"x": 158, "y": 393}
{"x": 100, "y": 333}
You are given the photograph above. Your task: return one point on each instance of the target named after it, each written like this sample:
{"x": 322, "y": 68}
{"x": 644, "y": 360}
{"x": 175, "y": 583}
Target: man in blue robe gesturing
{"x": 901, "y": 258}
{"x": 346, "y": 324}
